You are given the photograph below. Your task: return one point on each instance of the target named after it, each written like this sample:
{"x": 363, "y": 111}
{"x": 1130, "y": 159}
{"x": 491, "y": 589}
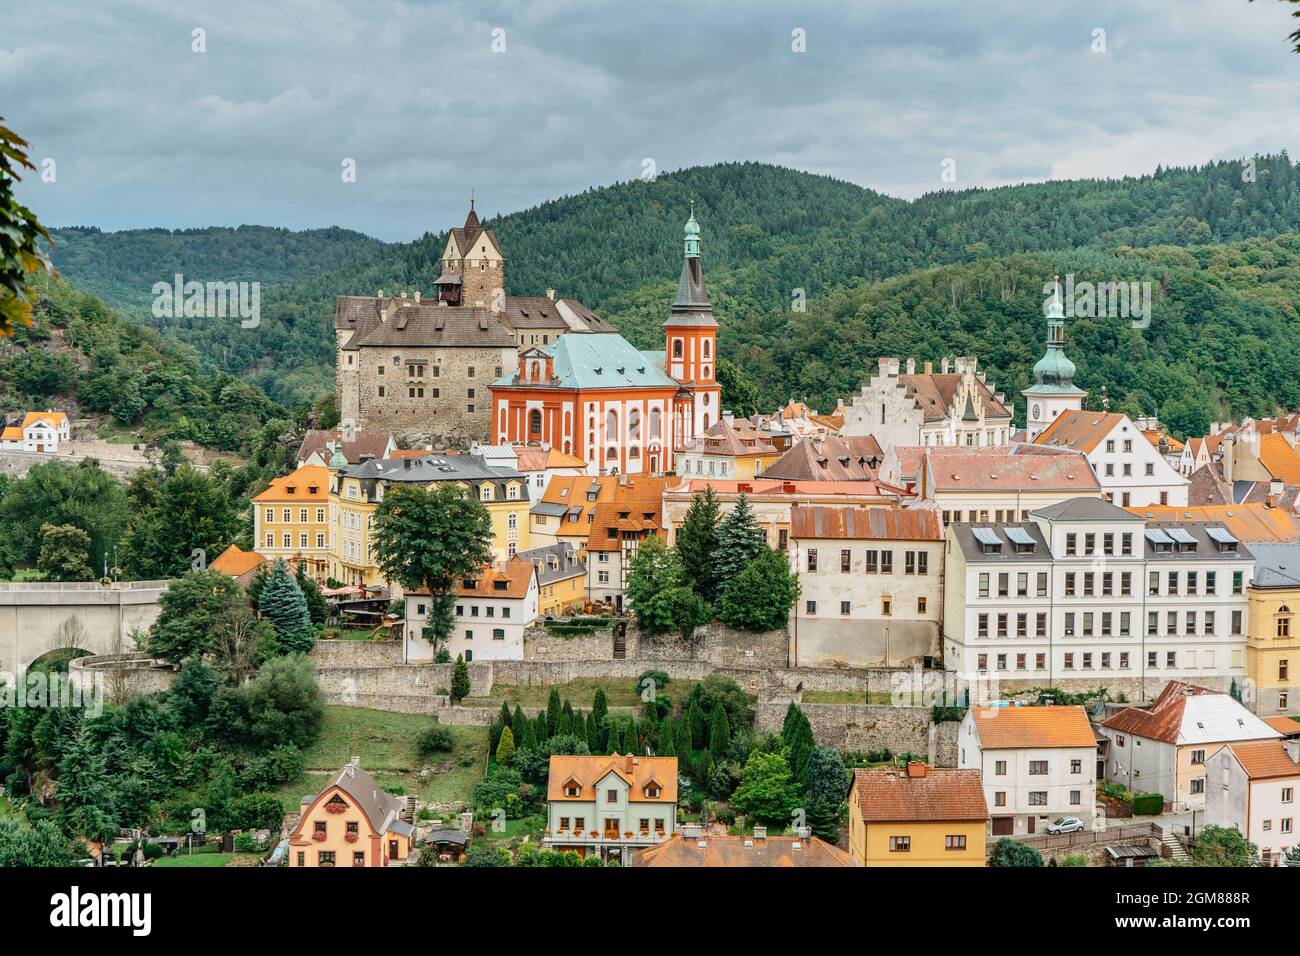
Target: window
{"x": 999, "y": 798}
{"x": 844, "y": 607}
{"x": 1037, "y": 767}
{"x": 900, "y": 844}
{"x": 954, "y": 842}
{"x": 846, "y": 560}
{"x": 611, "y": 796}
{"x": 886, "y": 605}
{"x": 920, "y": 605}
{"x": 810, "y": 607}
{"x": 1000, "y": 768}
{"x": 812, "y": 559}
{"x": 1038, "y": 798}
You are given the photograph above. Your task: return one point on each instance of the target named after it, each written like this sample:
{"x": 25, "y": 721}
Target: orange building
{"x": 291, "y": 520}
{"x": 351, "y": 822}
{"x": 618, "y": 409}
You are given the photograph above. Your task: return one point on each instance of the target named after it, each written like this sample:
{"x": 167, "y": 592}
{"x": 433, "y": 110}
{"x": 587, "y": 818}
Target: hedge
{"x": 1148, "y": 804}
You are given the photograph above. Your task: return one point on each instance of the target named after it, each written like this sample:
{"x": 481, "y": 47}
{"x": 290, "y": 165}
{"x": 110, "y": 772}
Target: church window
{"x": 535, "y": 422}
{"x": 706, "y": 348}
{"x": 634, "y": 424}
{"x": 611, "y": 453}
{"x": 654, "y": 423}
{"x": 677, "y": 348}
{"x": 611, "y": 424}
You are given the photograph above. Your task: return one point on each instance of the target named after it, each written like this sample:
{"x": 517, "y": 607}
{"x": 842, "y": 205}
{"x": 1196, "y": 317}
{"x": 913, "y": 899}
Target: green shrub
{"x": 1148, "y": 804}
{"x": 434, "y": 739}
{"x": 245, "y": 843}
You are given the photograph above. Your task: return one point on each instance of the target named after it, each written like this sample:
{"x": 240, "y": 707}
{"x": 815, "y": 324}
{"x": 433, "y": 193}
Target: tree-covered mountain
{"x": 79, "y": 354}
{"x": 773, "y": 236}
{"x": 122, "y": 267}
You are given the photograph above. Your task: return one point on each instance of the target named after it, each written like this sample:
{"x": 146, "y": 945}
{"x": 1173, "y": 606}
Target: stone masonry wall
{"x": 868, "y": 727}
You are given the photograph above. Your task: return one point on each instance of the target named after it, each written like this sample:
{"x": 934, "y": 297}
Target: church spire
{"x": 692, "y": 234}
{"x": 691, "y": 304}
{"x": 1054, "y": 368}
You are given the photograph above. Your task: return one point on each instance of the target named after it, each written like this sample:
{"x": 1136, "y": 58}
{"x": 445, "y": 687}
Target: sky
{"x": 256, "y": 118}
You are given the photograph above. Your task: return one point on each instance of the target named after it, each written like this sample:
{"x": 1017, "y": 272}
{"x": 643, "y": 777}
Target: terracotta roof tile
{"x": 828, "y": 458}
{"x": 308, "y": 483}
{"x": 1287, "y": 726}
{"x": 896, "y": 796}
{"x": 1263, "y": 759}
{"x": 1249, "y": 523}
{"x": 1082, "y": 431}
{"x": 234, "y": 561}
{"x": 588, "y": 771}
{"x": 732, "y": 851}
{"x": 1281, "y": 460}
{"x": 1010, "y": 728}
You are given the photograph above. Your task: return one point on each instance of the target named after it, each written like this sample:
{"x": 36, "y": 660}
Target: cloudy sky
{"x": 526, "y": 101}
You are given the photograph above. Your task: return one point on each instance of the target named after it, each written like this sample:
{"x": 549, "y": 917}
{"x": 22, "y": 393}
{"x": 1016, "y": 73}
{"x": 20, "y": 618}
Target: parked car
{"x": 1066, "y": 825}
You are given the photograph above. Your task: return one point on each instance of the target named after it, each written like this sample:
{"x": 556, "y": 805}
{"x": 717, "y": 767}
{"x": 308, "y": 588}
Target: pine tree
{"x": 553, "y": 711}
{"x": 699, "y": 729}
{"x": 798, "y": 738}
{"x": 85, "y": 791}
{"x": 317, "y": 607}
{"x": 667, "y": 746}
{"x": 719, "y": 734}
{"x": 697, "y": 540}
{"x": 740, "y": 539}
{"x": 682, "y": 739}
{"x": 593, "y": 734}
{"x": 519, "y": 725}
{"x": 506, "y": 748}
{"x": 540, "y": 728}
{"x": 599, "y": 711}
{"x": 459, "y": 680}
{"x": 505, "y": 717}
{"x": 631, "y": 740}
{"x": 283, "y": 604}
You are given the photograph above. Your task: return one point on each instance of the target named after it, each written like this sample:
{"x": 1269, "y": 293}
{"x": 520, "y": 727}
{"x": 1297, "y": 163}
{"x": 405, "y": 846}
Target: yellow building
{"x": 1273, "y": 629}
{"x": 918, "y": 816}
{"x": 358, "y": 489}
{"x": 561, "y": 578}
{"x": 291, "y": 520}
{"x": 351, "y": 822}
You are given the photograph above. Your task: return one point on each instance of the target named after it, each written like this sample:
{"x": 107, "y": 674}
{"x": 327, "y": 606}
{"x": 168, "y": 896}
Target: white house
{"x": 1164, "y": 748}
{"x": 38, "y": 431}
{"x": 489, "y": 613}
{"x": 1252, "y": 786}
{"x": 1037, "y": 764}
{"x": 1088, "y": 590}
{"x": 1131, "y": 471}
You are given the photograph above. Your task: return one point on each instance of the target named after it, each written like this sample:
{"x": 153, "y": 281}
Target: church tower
{"x": 1053, "y": 391}
{"x": 690, "y": 339}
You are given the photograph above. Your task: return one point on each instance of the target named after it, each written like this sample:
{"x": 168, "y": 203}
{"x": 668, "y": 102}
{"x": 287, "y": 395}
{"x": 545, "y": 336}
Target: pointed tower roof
{"x": 472, "y": 227}
{"x": 1054, "y": 372}
{"x": 691, "y": 305}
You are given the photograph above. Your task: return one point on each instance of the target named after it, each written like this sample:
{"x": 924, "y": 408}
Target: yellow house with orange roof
{"x": 38, "y": 431}
{"x": 291, "y": 520}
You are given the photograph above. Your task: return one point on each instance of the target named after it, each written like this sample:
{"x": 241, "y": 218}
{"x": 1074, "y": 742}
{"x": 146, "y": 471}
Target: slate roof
{"x": 1276, "y": 566}
{"x": 893, "y": 796}
{"x": 1085, "y": 509}
{"x": 973, "y": 550}
{"x": 430, "y": 325}
{"x": 555, "y": 562}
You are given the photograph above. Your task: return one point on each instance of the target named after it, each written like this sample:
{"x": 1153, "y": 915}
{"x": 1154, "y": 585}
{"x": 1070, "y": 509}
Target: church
{"x": 621, "y": 410}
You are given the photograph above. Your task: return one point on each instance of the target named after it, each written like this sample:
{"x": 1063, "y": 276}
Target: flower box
{"x": 335, "y": 808}
{"x": 318, "y": 836}
{"x": 351, "y": 837}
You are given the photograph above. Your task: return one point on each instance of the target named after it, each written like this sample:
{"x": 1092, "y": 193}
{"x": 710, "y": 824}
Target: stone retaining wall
{"x": 123, "y": 676}
{"x": 867, "y": 727}
{"x": 715, "y": 644}
{"x": 336, "y": 653}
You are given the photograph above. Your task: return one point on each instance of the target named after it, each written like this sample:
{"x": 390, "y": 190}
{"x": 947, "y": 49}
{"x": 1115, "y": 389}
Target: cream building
{"x": 1252, "y": 787}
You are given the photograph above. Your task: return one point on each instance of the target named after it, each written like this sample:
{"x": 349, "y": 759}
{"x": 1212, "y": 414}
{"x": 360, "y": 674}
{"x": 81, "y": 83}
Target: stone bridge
{"x": 39, "y": 617}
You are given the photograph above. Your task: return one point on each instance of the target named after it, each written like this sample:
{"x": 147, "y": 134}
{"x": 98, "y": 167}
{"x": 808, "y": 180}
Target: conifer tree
{"x": 682, "y": 741}
{"x": 553, "y": 711}
{"x": 519, "y": 725}
{"x": 719, "y": 734}
{"x": 797, "y": 735}
{"x": 599, "y": 711}
{"x": 667, "y": 745}
{"x": 506, "y": 748}
{"x": 697, "y": 540}
{"x": 540, "y": 728}
{"x": 459, "y": 679}
{"x": 317, "y": 606}
{"x": 593, "y": 734}
{"x": 699, "y": 729}
{"x": 283, "y": 604}
{"x": 740, "y": 540}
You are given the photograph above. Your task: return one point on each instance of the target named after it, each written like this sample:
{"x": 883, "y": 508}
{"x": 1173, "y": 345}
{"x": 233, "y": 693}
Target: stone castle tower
{"x": 473, "y": 267}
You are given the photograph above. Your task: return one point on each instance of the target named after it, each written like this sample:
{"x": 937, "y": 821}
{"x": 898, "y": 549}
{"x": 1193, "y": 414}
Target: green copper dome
{"x": 692, "y": 235}
{"x": 337, "y": 460}
{"x": 1055, "y": 371}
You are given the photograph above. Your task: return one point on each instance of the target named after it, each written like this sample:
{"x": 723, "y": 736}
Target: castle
{"x": 421, "y": 368}
{"x": 475, "y": 364}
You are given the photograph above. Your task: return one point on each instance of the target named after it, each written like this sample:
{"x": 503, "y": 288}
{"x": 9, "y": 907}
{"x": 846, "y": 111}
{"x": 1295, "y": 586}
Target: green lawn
{"x": 207, "y": 859}
{"x": 351, "y": 634}
{"x": 385, "y": 742}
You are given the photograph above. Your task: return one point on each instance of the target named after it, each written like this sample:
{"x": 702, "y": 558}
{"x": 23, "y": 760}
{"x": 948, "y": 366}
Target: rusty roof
{"x": 888, "y": 795}
{"x": 889, "y": 524}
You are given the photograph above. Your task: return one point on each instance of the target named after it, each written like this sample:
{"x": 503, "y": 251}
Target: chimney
{"x": 944, "y": 365}
{"x": 929, "y": 368}
{"x": 729, "y": 418}
{"x": 1276, "y": 487}
{"x": 406, "y": 462}
{"x": 379, "y": 294}
{"x": 1228, "y": 450}
{"x": 916, "y": 769}
{"x": 691, "y": 831}
{"x": 417, "y": 296}
{"x": 760, "y": 834}
{"x": 628, "y": 763}
{"x": 911, "y": 366}
{"x": 1292, "y": 748}
{"x": 804, "y": 832}
{"x": 550, "y": 294}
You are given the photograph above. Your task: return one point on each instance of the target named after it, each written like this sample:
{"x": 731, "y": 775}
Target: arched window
{"x": 706, "y": 348}
{"x": 611, "y": 453}
{"x": 611, "y": 424}
{"x": 634, "y": 452}
{"x": 677, "y": 348}
{"x": 568, "y": 422}
{"x": 634, "y": 424}
{"x": 654, "y": 422}
{"x": 705, "y": 421}
{"x": 536, "y": 373}
{"x": 535, "y": 422}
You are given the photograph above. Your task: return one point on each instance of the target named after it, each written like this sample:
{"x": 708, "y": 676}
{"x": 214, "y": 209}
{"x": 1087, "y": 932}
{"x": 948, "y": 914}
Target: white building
{"x": 38, "y": 431}
{"x": 1164, "y": 748}
{"x": 1087, "y": 590}
{"x": 1131, "y": 471}
{"x": 870, "y": 589}
{"x": 490, "y": 614}
{"x": 1036, "y": 763}
{"x": 948, "y": 407}
{"x": 1252, "y": 786}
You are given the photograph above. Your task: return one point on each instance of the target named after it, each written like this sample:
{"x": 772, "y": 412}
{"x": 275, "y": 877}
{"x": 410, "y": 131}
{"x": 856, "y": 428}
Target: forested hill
{"x": 121, "y": 267}
{"x": 767, "y": 232}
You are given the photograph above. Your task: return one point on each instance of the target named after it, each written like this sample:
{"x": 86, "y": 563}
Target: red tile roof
{"x": 1011, "y": 728}
{"x": 892, "y": 523}
{"x": 897, "y": 796}
{"x": 1262, "y": 759}
{"x": 736, "y": 851}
